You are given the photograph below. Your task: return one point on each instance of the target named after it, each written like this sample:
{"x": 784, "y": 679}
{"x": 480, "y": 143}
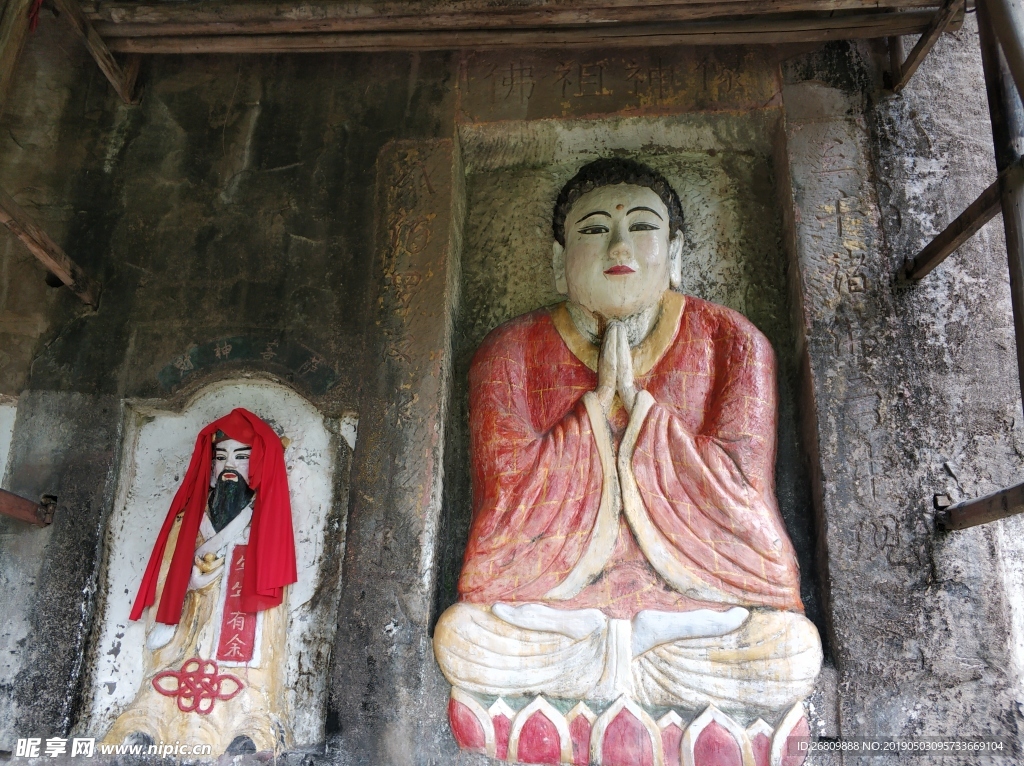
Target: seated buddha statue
{"x": 625, "y": 537}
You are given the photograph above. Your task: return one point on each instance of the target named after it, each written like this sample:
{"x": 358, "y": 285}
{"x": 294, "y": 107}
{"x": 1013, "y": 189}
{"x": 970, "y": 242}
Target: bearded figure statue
{"x": 627, "y": 559}
{"x": 214, "y": 653}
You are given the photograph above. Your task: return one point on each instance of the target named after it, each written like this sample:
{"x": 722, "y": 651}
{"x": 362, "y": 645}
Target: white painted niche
{"x": 157, "y": 448}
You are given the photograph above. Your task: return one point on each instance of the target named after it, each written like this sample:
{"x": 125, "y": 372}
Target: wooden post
{"x": 1007, "y": 116}
{"x": 981, "y": 510}
{"x": 17, "y": 507}
{"x": 896, "y": 56}
{"x": 121, "y": 77}
{"x": 46, "y": 250}
{"x": 1006, "y": 21}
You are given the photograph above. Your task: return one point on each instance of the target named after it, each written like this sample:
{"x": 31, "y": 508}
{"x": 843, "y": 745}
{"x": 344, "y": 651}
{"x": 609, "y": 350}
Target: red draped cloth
{"x": 270, "y": 563}
{"x": 703, "y": 464}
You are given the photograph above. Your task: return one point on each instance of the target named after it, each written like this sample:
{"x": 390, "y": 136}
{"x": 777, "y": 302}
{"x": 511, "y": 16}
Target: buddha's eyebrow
{"x": 648, "y": 210}
{"x": 596, "y": 212}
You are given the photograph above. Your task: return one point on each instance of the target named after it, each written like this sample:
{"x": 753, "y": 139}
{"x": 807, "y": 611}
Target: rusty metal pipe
{"x": 17, "y": 507}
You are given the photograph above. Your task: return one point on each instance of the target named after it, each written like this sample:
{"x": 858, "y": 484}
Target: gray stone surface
{"x": 66, "y": 445}
{"x": 912, "y": 387}
{"x": 241, "y": 200}
{"x": 386, "y": 690}
{"x": 234, "y": 203}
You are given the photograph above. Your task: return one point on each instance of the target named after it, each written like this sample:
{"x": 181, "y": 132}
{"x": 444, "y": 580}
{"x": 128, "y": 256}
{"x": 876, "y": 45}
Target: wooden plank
{"x": 17, "y": 507}
{"x": 981, "y": 510}
{"x": 963, "y": 227}
{"x": 482, "y": 20}
{"x": 941, "y": 23}
{"x": 123, "y": 80}
{"x": 774, "y": 31}
{"x": 46, "y": 250}
{"x": 129, "y": 19}
{"x": 469, "y": 21}
{"x": 174, "y": 19}
{"x": 13, "y": 32}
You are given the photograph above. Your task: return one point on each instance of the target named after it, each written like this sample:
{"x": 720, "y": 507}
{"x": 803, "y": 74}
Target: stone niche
{"x": 158, "y": 444}
{"x": 723, "y": 166}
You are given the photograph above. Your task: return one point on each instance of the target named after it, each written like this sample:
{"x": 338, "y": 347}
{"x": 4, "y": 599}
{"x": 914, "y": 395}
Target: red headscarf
{"x": 270, "y": 562}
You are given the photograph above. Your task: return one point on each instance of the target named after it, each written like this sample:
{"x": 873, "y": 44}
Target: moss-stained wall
{"x": 234, "y": 203}
{"x": 302, "y": 217}
{"x": 231, "y": 221}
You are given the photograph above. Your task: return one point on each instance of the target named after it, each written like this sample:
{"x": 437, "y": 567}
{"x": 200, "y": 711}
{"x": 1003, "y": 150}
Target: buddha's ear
{"x": 675, "y": 261}
{"x": 558, "y": 265}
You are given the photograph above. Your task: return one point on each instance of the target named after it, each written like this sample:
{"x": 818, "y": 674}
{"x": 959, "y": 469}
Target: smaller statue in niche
{"x": 215, "y": 642}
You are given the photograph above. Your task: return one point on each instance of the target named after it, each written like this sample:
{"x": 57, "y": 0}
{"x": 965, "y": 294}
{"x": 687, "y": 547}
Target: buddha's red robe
{"x": 690, "y": 506}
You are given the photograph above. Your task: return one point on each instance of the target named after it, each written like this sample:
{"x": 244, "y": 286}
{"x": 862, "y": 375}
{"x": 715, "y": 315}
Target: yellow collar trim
{"x": 646, "y": 355}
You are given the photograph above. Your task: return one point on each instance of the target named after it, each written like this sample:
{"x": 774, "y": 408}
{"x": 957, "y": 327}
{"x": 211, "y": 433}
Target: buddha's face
{"x": 618, "y": 257}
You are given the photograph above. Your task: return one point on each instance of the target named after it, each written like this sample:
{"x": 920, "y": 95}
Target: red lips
{"x": 620, "y": 269}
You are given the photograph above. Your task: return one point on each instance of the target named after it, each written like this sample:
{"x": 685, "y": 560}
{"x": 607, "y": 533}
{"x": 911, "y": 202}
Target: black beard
{"x": 227, "y": 500}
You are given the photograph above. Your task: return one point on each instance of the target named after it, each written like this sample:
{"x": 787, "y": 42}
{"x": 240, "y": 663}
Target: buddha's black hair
{"x": 610, "y": 171}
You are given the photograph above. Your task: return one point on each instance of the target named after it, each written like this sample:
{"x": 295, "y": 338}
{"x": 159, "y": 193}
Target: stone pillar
{"x": 387, "y": 695}
{"x": 64, "y": 444}
{"x": 899, "y": 385}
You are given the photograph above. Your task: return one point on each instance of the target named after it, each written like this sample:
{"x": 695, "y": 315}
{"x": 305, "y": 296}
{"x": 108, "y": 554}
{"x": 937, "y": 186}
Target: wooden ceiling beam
{"x": 127, "y": 19}
{"x": 719, "y": 32}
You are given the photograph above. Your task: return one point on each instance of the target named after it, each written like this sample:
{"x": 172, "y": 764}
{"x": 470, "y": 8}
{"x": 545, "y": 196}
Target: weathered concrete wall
{"x": 65, "y": 444}
{"x": 934, "y": 156}
{"x": 914, "y": 389}
{"x": 300, "y": 218}
{"x": 8, "y": 412}
{"x": 231, "y": 220}
{"x": 234, "y": 205}
{"x": 388, "y": 695}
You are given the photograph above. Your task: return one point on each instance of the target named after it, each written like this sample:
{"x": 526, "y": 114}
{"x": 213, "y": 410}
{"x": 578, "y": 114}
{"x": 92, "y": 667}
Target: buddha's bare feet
{"x": 574, "y": 623}
{"x": 652, "y": 628}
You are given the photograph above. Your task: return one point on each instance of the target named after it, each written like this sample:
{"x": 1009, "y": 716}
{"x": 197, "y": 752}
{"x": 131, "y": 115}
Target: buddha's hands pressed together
{"x": 615, "y": 369}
